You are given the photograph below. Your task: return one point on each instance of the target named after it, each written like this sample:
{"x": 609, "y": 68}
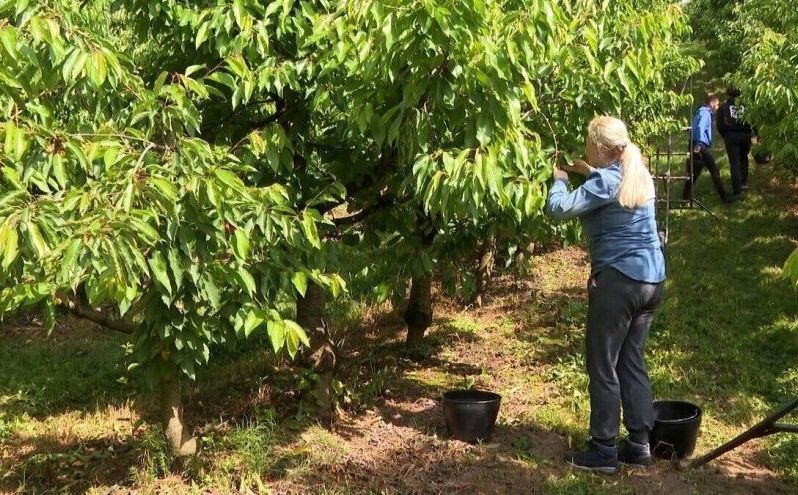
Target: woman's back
{"x": 622, "y": 238}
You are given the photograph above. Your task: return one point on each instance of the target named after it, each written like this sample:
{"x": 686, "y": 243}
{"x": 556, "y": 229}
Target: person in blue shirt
{"x": 616, "y": 207}
{"x": 701, "y": 156}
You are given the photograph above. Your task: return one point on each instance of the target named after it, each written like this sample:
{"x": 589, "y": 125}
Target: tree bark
{"x": 180, "y": 440}
{"x": 82, "y": 310}
{"x": 487, "y": 258}
{"x": 310, "y": 314}
{"x": 521, "y": 256}
{"x": 418, "y": 314}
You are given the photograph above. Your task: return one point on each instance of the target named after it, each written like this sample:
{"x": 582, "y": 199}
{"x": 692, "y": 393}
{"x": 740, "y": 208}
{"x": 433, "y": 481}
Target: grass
{"x": 726, "y": 338}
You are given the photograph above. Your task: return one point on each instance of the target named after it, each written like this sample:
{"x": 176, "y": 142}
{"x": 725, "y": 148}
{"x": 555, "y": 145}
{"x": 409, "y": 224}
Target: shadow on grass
{"x": 262, "y": 443}
{"x": 727, "y": 332}
{"x": 74, "y": 370}
{"x": 51, "y": 465}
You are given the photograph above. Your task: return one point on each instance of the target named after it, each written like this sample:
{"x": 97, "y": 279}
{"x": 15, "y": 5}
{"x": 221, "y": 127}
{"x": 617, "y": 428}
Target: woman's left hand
{"x": 560, "y": 174}
{"x": 579, "y": 167}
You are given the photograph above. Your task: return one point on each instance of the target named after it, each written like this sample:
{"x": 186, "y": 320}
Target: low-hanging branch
{"x": 382, "y": 203}
{"x": 98, "y": 317}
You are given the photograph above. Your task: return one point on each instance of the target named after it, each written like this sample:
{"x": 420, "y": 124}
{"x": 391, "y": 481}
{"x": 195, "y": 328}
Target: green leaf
{"x": 97, "y": 68}
{"x": 294, "y": 336}
{"x": 309, "y": 228}
{"x": 176, "y": 265}
{"x": 70, "y": 259}
{"x": 144, "y": 229}
{"x": 126, "y": 201}
{"x": 165, "y": 187}
{"x": 158, "y": 267}
{"x": 241, "y": 244}
{"x": 254, "y": 319}
{"x": 790, "y": 269}
{"x": 191, "y": 69}
{"x": 210, "y": 191}
{"x": 238, "y": 9}
{"x": 300, "y": 281}
{"x": 8, "y": 38}
{"x": 36, "y": 240}
{"x": 300, "y": 332}
{"x": 59, "y": 172}
{"x": 245, "y": 280}
{"x": 16, "y": 143}
{"x": 383, "y": 290}
{"x": 48, "y": 312}
{"x": 211, "y": 291}
{"x": 202, "y": 34}
{"x": 79, "y": 65}
{"x": 387, "y": 31}
{"x": 229, "y": 179}
{"x": 276, "y": 331}
{"x": 110, "y": 156}
{"x": 11, "y": 130}
{"x": 69, "y": 64}
{"x": 9, "y": 243}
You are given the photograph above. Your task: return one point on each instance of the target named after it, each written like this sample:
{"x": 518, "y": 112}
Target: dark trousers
{"x": 701, "y": 160}
{"x": 619, "y": 315}
{"x": 738, "y": 146}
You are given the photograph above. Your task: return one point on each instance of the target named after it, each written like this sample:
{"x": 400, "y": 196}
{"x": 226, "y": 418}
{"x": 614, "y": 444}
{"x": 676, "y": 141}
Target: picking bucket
{"x": 676, "y": 425}
{"x": 470, "y": 414}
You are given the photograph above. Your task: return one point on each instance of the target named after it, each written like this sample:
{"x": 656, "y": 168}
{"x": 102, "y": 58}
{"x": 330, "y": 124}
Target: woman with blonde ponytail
{"x": 616, "y": 207}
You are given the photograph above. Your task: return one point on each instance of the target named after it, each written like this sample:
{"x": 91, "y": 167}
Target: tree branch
{"x": 268, "y": 120}
{"x": 98, "y": 317}
{"x": 382, "y": 203}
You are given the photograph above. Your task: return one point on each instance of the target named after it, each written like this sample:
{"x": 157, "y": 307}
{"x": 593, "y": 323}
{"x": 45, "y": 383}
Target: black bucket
{"x": 761, "y": 157}
{"x": 470, "y": 414}
{"x": 676, "y": 425}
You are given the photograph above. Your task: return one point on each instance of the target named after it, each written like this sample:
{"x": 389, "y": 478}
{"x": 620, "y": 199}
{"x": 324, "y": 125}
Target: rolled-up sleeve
{"x": 563, "y": 205}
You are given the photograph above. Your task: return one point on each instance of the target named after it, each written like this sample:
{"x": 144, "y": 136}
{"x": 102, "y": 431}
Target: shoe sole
{"x": 603, "y": 470}
{"x": 635, "y": 464}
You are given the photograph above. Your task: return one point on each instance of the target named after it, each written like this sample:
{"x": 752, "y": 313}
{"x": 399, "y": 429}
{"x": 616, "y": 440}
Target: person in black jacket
{"x": 738, "y": 135}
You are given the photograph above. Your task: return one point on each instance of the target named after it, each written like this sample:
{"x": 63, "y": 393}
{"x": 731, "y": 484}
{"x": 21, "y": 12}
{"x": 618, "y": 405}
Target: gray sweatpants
{"x": 619, "y": 315}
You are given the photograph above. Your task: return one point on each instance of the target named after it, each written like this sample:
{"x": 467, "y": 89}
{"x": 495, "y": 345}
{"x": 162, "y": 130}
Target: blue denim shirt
{"x": 702, "y": 127}
{"x": 621, "y": 238}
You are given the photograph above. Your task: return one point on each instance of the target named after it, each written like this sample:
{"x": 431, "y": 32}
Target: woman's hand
{"x": 560, "y": 174}
{"x": 579, "y": 167}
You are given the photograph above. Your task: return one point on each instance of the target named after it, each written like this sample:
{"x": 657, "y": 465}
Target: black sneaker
{"x": 599, "y": 458}
{"x": 744, "y": 187}
{"x": 731, "y": 198}
{"x": 634, "y": 454}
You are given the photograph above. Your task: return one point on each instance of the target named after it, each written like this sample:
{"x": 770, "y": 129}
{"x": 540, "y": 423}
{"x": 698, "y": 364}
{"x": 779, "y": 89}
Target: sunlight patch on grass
{"x": 576, "y": 483}
{"x": 570, "y": 420}
{"x": 430, "y": 377}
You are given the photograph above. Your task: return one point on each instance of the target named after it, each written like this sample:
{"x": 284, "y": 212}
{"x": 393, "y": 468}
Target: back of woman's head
{"x": 611, "y": 137}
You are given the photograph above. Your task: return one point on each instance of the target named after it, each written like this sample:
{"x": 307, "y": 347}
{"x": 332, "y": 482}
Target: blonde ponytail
{"x": 637, "y": 186}
{"x": 612, "y": 139}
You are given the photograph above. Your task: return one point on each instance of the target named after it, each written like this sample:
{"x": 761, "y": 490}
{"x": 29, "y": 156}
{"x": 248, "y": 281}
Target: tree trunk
{"x": 521, "y": 256}
{"x": 323, "y": 357}
{"x": 418, "y": 314}
{"x": 487, "y": 258}
{"x": 180, "y": 441}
